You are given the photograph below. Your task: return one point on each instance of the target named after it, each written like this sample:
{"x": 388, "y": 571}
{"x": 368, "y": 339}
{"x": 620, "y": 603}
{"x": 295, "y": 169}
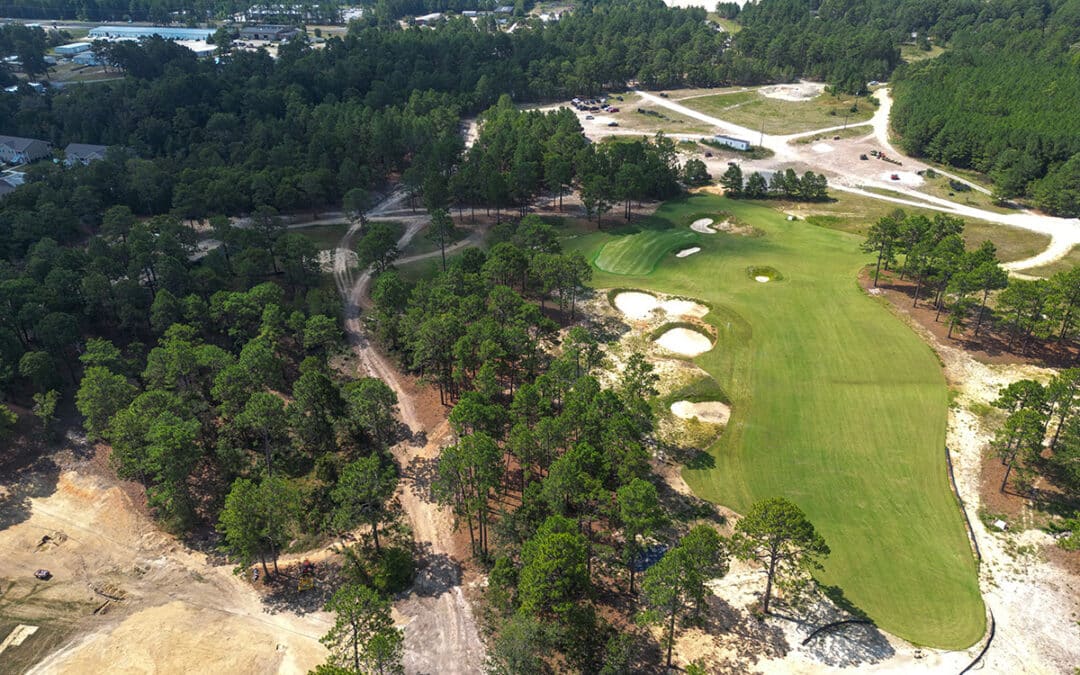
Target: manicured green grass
{"x": 639, "y": 253}
{"x": 837, "y": 405}
{"x": 750, "y": 109}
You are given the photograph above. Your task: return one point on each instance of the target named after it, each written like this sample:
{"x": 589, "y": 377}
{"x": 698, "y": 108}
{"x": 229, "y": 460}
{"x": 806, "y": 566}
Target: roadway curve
{"x": 1064, "y": 233}
{"x": 441, "y": 635}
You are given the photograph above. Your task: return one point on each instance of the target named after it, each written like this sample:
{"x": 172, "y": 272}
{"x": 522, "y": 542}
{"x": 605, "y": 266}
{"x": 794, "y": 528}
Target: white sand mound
{"x": 684, "y": 341}
{"x": 687, "y": 252}
{"x": 636, "y": 305}
{"x": 713, "y": 412}
{"x": 803, "y": 91}
{"x": 822, "y": 147}
{"x": 762, "y": 279}
{"x": 905, "y": 178}
{"x": 684, "y": 308}
{"x": 702, "y": 225}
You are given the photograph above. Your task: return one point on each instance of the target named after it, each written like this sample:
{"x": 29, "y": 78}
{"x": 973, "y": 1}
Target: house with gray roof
{"x": 16, "y": 150}
{"x": 83, "y": 153}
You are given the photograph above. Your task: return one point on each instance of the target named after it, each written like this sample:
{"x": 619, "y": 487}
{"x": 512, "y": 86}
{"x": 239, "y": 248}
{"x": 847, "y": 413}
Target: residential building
{"x": 83, "y": 153}
{"x": 15, "y": 150}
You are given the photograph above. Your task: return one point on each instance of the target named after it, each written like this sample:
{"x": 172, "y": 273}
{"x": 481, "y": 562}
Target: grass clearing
{"x": 1071, "y": 260}
{"x": 638, "y": 254}
{"x": 750, "y": 109}
{"x": 856, "y": 213}
{"x": 836, "y": 404}
{"x": 912, "y": 53}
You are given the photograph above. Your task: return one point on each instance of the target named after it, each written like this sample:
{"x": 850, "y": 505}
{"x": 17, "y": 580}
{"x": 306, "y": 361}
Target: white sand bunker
{"x": 702, "y": 225}
{"x": 684, "y": 308}
{"x": 822, "y": 148}
{"x": 636, "y": 305}
{"x": 685, "y": 342}
{"x": 905, "y": 178}
{"x": 687, "y": 252}
{"x": 803, "y": 91}
{"x": 762, "y": 279}
{"x": 713, "y": 412}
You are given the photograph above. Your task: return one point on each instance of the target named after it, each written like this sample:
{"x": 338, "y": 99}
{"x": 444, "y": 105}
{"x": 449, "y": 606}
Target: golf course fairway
{"x": 836, "y": 405}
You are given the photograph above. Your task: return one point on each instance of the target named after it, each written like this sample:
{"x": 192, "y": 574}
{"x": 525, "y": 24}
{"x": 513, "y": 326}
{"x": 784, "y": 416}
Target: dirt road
{"x": 850, "y": 176}
{"x": 440, "y": 632}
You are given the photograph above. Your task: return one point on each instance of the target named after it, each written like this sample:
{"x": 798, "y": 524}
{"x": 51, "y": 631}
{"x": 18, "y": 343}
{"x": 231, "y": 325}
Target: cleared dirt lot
{"x": 124, "y": 597}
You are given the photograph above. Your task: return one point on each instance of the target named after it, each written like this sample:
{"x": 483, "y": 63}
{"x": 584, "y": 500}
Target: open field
{"x": 911, "y": 53}
{"x": 751, "y": 108}
{"x": 855, "y": 213}
{"x": 939, "y": 187}
{"x": 639, "y": 253}
{"x": 836, "y": 404}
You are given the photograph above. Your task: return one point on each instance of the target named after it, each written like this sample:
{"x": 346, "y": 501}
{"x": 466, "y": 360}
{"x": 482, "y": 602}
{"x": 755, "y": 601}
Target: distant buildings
{"x": 731, "y": 142}
{"x": 15, "y": 150}
{"x": 83, "y": 153}
{"x": 270, "y": 33}
{"x": 138, "y": 32}
{"x": 426, "y": 19}
{"x": 86, "y": 59}
{"x": 73, "y": 48}
{"x": 5, "y": 187}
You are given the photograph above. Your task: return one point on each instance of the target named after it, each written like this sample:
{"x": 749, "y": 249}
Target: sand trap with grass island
{"x": 703, "y": 225}
{"x": 684, "y": 308}
{"x": 685, "y": 342}
{"x": 713, "y": 412}
{"x": 687, "y": 252}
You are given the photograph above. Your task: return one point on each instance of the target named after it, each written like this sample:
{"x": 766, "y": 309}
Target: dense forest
{"x": 999, "y": 101}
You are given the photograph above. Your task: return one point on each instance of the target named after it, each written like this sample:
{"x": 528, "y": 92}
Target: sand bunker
{"x": 687, "y": 252}
{"x": 685, "y": 342}
{"x": 702, "y": 225}
{"x": 636, "y": 305}
{"x": 905, "y": 178}
{"x": 821, "y": 147}
{"x": 713, "y": 412}
{"x": 684, "y": 308}
{"x": 803, "y": 91}
{"x": 762, "y": 279}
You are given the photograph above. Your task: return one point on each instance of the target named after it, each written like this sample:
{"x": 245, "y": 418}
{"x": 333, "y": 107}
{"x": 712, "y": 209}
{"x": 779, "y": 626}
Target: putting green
{"x": 639, "y": 253}
{"x": 837, "y": 405}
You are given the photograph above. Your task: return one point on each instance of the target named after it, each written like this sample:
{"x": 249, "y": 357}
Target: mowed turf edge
{"x": 837, "y": 405}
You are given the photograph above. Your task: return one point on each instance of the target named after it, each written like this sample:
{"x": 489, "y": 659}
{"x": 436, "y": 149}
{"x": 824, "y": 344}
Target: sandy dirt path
{"x": 1064, "y": 232}
{"x": 441, "y": 635}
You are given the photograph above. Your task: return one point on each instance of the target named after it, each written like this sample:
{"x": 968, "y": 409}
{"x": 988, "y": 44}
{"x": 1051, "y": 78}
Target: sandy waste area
{"x": 803, "y": 91}
{"x": 713, "y": 412}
